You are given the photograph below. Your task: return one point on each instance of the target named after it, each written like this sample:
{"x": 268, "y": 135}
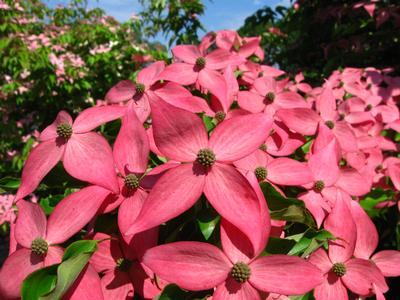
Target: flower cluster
{"x": 213, "y": 129}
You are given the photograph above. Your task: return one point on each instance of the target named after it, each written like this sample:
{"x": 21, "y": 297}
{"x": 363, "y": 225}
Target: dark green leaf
{"x": 39, "y": 283}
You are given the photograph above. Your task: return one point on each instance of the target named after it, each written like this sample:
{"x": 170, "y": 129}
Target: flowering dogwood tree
{"x": 225, "y": 179}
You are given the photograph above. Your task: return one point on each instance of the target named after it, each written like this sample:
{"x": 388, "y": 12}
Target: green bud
{"x": 39, "y": 246}
{"x": 261, "y": 173}
{"x": 131, "y": 181}
{"x": 206, "y": 157}
{"x": 241, "y": 272}
{"x": 64, "y": 130}
{"x": 339, "y": 269}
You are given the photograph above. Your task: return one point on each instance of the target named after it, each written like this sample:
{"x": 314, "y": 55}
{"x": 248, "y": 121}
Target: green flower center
{"x": 206, "y": 157}
{"x": 241, "y": 272}
{"x": 339, "y": 269}
{"x": 131, "y": 181}
{"x": 369, "y": 107}
{"x": 200, "y": 62}
{"x": 140, "y": 88}
{"x": 319, "y": 186}
{"x": 263, "y": 147}
{"x": 220, "y": 116}
{"x": 64, "y": 130}
{"x": 330, "y": 124}
{"x": 261, "y": 173}
{"x": 39, "y": 246}
{"x": 270, "y": 97}
{"x": 123, "y": 264}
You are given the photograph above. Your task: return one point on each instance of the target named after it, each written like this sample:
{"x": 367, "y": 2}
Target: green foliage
{"x": 177, "y": 20}
{"x": 52, "y": 282}
{"x": 62, "y": 58}
{"x": 320, "y": 37}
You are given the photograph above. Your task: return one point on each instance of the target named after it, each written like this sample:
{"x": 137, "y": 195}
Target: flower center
{"x": 330, "y": 124}
{"x": 140, "y": 88}
{"x": 131, "y": 181}
{"x": 261, "y": 173}
{"x": 270, "y": 97}
{"x": 64, "y": 130}
{"x": 339, "y": 269}
{"x": 39, "y": 246}
{"x": 220, "y": 116}
{"x": 241, "y": 272}
{"x": 206, "y": 157}
{"x": 200, "y": 62}
{"x": 123, "y": 264}
{"x": 263, "y": 147}
{"x": 369, "y": 107}
{"x": 319, "y": 186}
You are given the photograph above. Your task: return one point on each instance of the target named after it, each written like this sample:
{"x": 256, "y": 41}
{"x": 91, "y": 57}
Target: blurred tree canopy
{"x": 319, "y": 36}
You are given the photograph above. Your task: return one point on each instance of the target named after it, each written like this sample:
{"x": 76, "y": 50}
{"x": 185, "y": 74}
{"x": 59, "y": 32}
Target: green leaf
{"x": 39, "y": 283}
{"x": 10, "y": 183}
{"x": 207, "y": 224}
{"x": 208, "y": 122}
{"x": 78, "y": 247}
{"x": 173, "y": 292}
{"x": 279, "y": 246}
{"x": 288, "y": 209}
{"x": 53, "y": 282}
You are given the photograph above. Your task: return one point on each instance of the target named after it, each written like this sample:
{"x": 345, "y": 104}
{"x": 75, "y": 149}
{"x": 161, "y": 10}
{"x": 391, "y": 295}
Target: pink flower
{"x": 341, "y": 271}
{"x": 235, "y": 272}
{"x": 147, "y": 87}
{"x": 123, "y": 272}
{"x": 38, "y": 238}
{"x": 86, "y": 155}
{"x": 181, "y": 136}
{"x": 281, "y": 171}
{"x": 266, "y": 95}
{"x": 196, "y": 66}
{"x": 7, "y": 211}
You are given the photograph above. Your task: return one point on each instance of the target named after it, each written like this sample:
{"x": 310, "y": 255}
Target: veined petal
{"x": 324, "y": 165}
{"x": 388, "y": 261}
{"x": 353, "y": 182}
{"x": 186, "y": 53}
{"x": 283, "y": 274}
{"x": 230, "y": 140}
{"x": 50, "y": 132}
{"x": 88, "y": 157}
{"x": 367, "y": 235}
{"x": 40, "y": 161}
{"x": 131, "y": 148}
{"x": 320, "y": 259}
{"x": 345, "y": 136}
{"x": 286, "y": 171}
{"x": 301, "y": 120}
{"x": 175, "y": 192}
{"x": 214, "y": 82}
{"x": 86, "y": 287}
{"x": 14, "y": 270}
{"x": 31, "y": 223}
{"x": 236, "y": 245}
{"x": 122, "y": 91}
{"x": 74, "y": 212}
{"x": 181, "y": 73}
{"x": 218, "y": 59}
{"x": 331, "y": 288}
{"x": 234, "y": 199}
{"x": 251, "y": 102}
{"x": 149, "y": 75}
{"x": 191, "y": 265}
{"x": 107, "y": 253}
{"x": 117, "y": 285}
{"x": 250, "y": 162}
{"x": 180, "y": 97}
{"x": 232, "y": 290}
{"x": 341, "y": 224}
{"x": 361, "y": 274}
{"x": 178, "y": 134}
{"x": 93, "y": 117}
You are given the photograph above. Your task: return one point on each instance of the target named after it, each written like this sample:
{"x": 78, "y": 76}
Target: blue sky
{"x": 220, "y": 14}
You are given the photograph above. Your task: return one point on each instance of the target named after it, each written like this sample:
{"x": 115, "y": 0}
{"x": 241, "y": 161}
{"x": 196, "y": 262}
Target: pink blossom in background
{"x": 7, "y": 211}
